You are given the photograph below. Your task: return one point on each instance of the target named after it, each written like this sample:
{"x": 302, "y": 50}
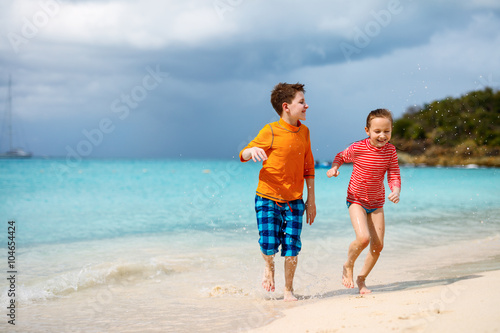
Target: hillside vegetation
{"x": 452, "y": 131}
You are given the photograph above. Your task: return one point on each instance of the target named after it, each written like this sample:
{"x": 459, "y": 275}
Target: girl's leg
{"x": 376, "y": 227}
{"x": 359, "y": 223}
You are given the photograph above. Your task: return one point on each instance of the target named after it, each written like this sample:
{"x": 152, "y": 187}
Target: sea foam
{"x": 90, "y": 276}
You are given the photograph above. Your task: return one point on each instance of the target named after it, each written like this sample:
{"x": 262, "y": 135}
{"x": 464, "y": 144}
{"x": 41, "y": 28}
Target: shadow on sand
{"x": 395, "y": 286}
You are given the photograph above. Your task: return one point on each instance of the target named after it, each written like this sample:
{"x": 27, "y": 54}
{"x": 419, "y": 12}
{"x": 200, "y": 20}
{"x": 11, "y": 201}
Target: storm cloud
{"x": 166, "y": 79}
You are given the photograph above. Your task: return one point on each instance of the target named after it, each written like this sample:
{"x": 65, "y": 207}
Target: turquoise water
{"x": 187, "y": 228}
{"x": 111, "y": 199}
{"x": 106, "y": 199}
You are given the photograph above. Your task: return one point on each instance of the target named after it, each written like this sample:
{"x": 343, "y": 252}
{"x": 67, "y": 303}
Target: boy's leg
{"x": 291, "y": 245}
{"x": 376, "y": 227}
{"x": 269, "y": 225}
{"x": 290, "y": 267}
{"x": 268, "y": 278}
{"x": 359, "y": 223}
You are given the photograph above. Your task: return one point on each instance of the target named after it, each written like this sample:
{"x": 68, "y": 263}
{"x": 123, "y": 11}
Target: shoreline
{"x": 468, "y": 303}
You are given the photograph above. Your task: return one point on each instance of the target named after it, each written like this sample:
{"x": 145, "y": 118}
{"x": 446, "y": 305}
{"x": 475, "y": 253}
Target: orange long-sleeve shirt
{"x": 289, "y": 160}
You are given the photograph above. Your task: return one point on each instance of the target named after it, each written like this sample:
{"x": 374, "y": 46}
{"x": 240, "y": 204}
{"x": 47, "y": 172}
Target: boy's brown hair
{"x": 284, "y": 92}
{"x": 378, "y": 113}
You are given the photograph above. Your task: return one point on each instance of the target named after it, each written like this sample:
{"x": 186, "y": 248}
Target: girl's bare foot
{"x": 347, "y": 279}
{"x": 268, "y": 279}
{"x": 289, "y": 297}
{"x": 362, "y": 286}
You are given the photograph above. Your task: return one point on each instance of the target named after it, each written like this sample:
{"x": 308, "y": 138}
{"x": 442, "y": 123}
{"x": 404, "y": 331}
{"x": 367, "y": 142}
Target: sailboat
{"x": 12, "y": 152}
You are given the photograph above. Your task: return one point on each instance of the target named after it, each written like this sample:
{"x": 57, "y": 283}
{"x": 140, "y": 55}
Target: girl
{"x": 371, "y": 158}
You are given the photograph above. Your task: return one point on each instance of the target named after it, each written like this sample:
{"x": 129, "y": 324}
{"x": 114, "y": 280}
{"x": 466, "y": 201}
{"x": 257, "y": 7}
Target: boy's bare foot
{"x": 268, "y": 279}
{"x": 362, "y": 286}
{"x": 347, "y": 279}
{"x": 289, "y": 297}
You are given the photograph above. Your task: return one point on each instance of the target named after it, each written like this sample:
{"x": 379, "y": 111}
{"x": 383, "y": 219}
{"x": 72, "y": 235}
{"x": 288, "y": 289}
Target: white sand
{"x": 467, "y": 304}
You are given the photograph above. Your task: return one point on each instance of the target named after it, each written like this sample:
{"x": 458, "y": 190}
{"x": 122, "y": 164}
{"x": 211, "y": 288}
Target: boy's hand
{"x": 310, "y": 211}
{"x": 255, "y": 153}
{"x": 333, "y": 172}
{"x": 394, "y": 196}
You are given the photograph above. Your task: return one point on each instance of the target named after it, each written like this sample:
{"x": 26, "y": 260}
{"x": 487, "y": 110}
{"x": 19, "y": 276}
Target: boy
{"x": 284, "y": 148}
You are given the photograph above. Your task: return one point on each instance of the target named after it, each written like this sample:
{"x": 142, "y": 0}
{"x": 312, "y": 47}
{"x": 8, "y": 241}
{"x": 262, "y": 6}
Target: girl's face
{"x": 379, "y": 132}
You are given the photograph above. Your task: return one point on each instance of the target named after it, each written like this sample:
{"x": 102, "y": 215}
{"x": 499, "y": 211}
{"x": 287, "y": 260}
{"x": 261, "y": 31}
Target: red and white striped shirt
{"x": 370, "y": 164}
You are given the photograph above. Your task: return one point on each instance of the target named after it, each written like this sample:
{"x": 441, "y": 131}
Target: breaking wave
{"x": 90, "y": 276}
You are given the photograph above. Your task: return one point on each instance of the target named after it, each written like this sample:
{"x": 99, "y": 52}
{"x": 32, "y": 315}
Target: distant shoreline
{"x": 448, "y": 160}
{"x": 404, "y": 161}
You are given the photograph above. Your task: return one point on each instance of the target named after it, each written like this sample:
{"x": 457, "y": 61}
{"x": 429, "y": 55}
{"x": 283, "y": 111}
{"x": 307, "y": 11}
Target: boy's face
{"x": 296, "y": 109}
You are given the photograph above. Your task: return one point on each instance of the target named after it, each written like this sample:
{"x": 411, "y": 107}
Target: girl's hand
{"x": 333, "y": 172}
{"x": 394, "y": 196}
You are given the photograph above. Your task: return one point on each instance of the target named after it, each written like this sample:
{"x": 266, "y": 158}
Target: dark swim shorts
{"x": 279, "y": 224}
{"x": 368, "y": 211}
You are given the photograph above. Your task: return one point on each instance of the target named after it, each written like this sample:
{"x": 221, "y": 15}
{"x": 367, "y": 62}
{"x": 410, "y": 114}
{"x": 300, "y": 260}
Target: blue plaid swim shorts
{"x": 279, "y": 224}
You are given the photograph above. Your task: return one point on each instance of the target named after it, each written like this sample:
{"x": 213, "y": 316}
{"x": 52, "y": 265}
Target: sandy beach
{"x": 469, "y": 303}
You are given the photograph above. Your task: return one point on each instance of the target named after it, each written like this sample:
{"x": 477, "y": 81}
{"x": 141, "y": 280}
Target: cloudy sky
{"x": 163, "y": 79}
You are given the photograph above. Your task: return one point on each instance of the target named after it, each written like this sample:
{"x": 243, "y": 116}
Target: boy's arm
{"x": 256, "y": 149}
{"x": 254, "y": 153}
{"x": 311, "y": 201}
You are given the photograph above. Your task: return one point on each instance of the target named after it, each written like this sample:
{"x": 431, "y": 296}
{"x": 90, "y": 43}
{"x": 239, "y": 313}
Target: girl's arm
{"x": 394, "y": 196}
{"x": 334, "y": 171}
{"x": 394, "y": 178}
{"x": 340, "y": 158}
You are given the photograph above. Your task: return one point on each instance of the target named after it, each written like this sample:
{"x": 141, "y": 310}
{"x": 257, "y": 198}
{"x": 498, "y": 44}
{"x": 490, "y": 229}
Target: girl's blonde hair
{"x": 378, "y": 113}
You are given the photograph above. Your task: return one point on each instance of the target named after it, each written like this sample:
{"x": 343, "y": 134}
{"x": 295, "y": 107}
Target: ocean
{"x": 171, "y": 245}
